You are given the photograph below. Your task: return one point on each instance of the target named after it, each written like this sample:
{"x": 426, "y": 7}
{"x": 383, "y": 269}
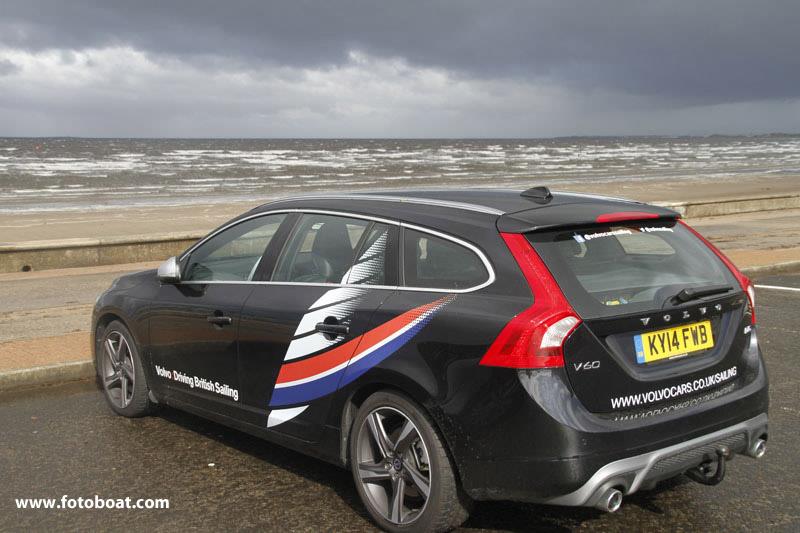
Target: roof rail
{"x": 398, "y": 199}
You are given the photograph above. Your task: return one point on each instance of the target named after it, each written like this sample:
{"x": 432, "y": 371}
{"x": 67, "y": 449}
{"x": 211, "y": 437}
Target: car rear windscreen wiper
{"x": 687, "y": 295}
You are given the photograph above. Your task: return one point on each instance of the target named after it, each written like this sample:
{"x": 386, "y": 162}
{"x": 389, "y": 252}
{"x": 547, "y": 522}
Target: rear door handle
{"x": 219, "y": 320}
{"x": 335, "y": 330}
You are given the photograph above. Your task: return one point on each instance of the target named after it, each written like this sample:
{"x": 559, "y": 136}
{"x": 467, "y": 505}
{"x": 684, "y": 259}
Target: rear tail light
{"x": 751, "y": 293}
{"x": 745, "y": 282}
{"x": 751, "y": 297}
{"x": 535, "y": 337}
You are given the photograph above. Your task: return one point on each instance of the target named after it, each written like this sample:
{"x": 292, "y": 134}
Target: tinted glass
{"x": 369, "y": 267}
{"x": 320, "y": 250}
{"x": 620, "y": 269}
{"x": 433, "y": 262}
{"x": 233, "y": 254}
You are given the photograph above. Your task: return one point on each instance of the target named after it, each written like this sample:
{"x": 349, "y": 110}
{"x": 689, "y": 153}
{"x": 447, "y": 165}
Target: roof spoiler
{"x": 580, "y": 214}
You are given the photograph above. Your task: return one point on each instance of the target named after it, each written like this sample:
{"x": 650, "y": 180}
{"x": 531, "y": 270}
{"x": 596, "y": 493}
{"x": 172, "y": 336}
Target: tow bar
{"x": 705, "y": 474}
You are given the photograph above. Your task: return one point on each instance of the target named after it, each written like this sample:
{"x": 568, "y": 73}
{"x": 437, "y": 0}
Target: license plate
{"x": 673, "y": 342}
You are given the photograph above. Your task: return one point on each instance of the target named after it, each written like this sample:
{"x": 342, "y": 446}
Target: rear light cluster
{"x": 745, "y": 282}
{"x": 535, "y": 337}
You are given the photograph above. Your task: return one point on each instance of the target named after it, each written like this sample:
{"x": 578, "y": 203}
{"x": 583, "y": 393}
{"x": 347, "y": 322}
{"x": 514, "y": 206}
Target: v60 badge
{"x": 587, "y": 365}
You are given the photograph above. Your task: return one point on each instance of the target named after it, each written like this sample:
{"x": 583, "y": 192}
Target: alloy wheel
{"x": 118, "y": 370}
{"x": 393, "y": 465}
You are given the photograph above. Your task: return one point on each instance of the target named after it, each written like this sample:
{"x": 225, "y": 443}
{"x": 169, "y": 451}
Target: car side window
{"x": 321, "y": 249}
{"x": 436, "y": 263}
{"x": 233, "y": 254}
{"x": 369, "y": 267}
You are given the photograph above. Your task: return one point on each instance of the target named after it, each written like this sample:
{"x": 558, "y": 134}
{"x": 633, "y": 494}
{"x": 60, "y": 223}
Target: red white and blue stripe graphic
{"x": 300, "y": 382}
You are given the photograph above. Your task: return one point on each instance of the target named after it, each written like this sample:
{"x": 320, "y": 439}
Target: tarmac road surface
{"x": 65, "y": 441}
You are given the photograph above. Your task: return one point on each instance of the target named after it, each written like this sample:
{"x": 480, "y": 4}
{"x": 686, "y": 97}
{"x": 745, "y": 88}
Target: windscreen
{"x": 629, "y": 268}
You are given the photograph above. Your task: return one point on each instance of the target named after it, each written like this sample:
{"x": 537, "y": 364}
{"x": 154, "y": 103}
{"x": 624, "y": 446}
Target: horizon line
{"x": 491, "y": 138}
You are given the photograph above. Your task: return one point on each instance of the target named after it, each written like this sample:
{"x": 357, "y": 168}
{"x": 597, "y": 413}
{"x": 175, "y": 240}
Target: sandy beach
{"x": 122, "y": 221}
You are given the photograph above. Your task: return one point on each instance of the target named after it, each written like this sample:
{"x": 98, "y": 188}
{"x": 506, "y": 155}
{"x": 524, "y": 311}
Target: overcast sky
{"x": 400, "y": 68}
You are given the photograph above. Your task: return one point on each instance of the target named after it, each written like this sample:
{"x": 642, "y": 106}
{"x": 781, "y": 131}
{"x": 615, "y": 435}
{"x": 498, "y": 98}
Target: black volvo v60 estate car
{"x": 451, "y": 346}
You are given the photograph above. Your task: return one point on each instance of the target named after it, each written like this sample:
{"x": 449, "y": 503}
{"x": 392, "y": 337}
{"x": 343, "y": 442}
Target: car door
{"x": 193, "y": 324}
{"x": 300, "y": 328}
{"x": 435, "y": 324}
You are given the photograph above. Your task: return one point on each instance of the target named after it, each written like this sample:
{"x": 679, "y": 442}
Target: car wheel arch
{"x": 410, "y": 391}
{"x": 102, "y": 322}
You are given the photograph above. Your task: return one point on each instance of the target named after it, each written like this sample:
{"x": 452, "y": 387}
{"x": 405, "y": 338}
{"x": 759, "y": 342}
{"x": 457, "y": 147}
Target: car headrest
{"x": 333, "y": 243}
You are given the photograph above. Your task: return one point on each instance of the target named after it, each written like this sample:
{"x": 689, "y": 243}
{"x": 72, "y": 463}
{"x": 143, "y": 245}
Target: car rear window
{"x": 628, "y": 268}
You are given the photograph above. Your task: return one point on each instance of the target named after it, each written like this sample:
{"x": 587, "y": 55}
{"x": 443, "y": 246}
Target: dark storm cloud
{"x": 673, "y": 53}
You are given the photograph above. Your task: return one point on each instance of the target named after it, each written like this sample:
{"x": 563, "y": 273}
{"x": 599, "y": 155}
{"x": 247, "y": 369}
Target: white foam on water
{"x": 72, "y": 166}
{"x": 193, "y": 152}
{"x": 157, "y": 171}
{"x": 394, "y": 178}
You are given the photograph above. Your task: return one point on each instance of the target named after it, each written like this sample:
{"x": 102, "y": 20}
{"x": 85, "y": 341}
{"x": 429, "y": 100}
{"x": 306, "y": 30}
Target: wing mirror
{"x": 169, "y": 271}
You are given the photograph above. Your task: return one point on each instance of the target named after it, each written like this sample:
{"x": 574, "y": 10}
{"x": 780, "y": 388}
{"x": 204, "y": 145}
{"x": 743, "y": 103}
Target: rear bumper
{"x": 632, "y": 473}
{"x": 538, "y": 444}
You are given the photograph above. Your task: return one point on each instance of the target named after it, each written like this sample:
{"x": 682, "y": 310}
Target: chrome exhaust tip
{"x": 758, "y": 449}
{"x": 610, "y": 501}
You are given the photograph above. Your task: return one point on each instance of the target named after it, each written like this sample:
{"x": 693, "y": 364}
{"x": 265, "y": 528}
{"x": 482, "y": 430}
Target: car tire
{"x": 120, "y": 371}
{"x": 408, "y": 457}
